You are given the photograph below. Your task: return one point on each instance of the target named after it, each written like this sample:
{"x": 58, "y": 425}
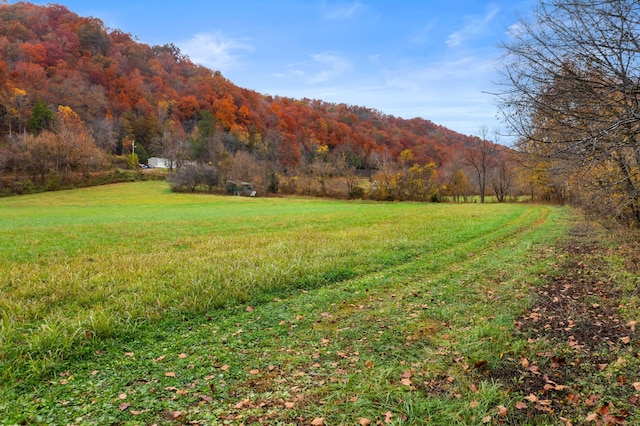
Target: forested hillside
{"x": 60, "y": 72}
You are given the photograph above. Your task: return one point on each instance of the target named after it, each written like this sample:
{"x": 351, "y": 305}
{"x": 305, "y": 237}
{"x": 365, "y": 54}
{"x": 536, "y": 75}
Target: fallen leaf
{"x": 94, "y": 372}
{"x": 502, "y": 411}
{"x": 474, "y": 404}
{"x": 129, "y": 354}
{"x": 250, "y": 309}
{"x": 122, "y": 396}
{"x": 170, "y": 374}
{"x": 573, "y": 398}
{"x": 626, "y": 340}
{"x": 387, "y": 416}
{"x": 486, "y": 419}
{"x": 182, "y": 355}
{"x": 124, "y": 406}
{"x": 521, "y": 405}
{"x": 289, "y": 404}
{"x": 242, "y": 403}
{"x": 318, "y": 421}
{"x": 533, "y": 368}
{"x": 369, "y": 364}
{"x": 473, "y": 388}
{"x": 254, "y": 371}
{"x": 176, "y": 414}
{"x": 160, "y": 358}
{"x": 224, "y": 367}
{"x": 479, "y": 364}
{"x": 636, "y": 386}
{"x": 566, "y": 421}
{"x": 406, "y": 382}
{"x": 593, "y": 417}
{"x": 364, "y": 422}
{"x": 531, "y": 397}
{"x": 554, "y": 386}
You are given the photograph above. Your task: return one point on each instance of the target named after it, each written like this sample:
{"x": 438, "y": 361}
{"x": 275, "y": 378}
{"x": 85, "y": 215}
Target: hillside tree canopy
{"x": 136, "y": 101}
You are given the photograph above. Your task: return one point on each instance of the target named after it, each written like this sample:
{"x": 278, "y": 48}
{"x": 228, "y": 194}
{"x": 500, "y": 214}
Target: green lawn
{"x": 129, "y": 304}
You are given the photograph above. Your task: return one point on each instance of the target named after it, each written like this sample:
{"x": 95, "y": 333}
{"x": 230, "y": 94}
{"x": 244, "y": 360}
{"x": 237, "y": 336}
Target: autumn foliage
{"x": 127, "y": 96}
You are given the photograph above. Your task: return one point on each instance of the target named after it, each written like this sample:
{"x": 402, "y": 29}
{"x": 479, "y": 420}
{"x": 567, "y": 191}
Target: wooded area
{"x": 572, "y": 94}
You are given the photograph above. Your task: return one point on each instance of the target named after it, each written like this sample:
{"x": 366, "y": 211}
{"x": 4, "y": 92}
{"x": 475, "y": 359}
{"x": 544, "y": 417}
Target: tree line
{"x": 61, "y": 150}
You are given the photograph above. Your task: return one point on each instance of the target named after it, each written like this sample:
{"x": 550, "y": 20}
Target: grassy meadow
{"x": 129, "y": 304}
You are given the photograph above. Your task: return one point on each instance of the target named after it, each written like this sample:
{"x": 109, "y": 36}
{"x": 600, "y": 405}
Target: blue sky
{"x": 429, "y": 58}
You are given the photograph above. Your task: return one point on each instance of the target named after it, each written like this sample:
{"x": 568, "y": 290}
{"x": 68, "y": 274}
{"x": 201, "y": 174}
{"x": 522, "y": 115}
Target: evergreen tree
{"x": 41, "y": 118}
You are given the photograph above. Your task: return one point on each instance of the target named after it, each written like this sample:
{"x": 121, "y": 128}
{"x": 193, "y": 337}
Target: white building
{"x": 154, "y": 162}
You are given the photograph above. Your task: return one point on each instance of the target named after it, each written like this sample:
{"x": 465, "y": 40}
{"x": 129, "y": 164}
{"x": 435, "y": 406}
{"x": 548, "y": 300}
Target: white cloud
{"x": 375, "y": 59}
{"x": 475, "y": 25}
{"x": 515, "y": 30}
{"x": 455, "y": 39}
{"x": 335, "y": 67}
{"x": 325, "y": 67}
{"x": 341, "y": 11}
{"x": 215, "y": 51}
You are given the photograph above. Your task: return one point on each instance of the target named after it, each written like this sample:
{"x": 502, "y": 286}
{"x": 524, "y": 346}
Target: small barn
{"x": 154, "y": 162}
{"x": 244, "y": 189}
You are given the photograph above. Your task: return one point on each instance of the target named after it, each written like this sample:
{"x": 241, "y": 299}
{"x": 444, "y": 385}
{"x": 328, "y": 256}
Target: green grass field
{"x": 129, "y": 304}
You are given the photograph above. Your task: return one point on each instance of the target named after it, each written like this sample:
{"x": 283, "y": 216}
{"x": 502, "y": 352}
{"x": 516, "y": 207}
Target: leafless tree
{"x": 571, "y": 92}
{"x": 502, "y": 176}
{"x": 479, "y": 157}
{"x": 385, "y": 167}
{"x": 105, "y": 132}
{"x": 347, "y": 159}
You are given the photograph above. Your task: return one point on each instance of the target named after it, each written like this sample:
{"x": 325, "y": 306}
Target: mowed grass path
{"x": 248, "y": 296}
